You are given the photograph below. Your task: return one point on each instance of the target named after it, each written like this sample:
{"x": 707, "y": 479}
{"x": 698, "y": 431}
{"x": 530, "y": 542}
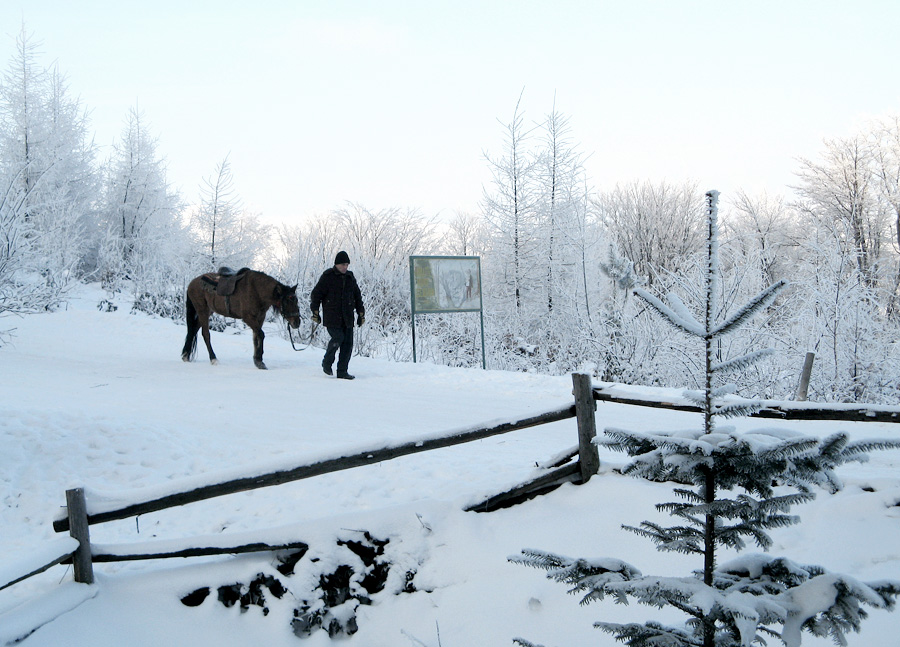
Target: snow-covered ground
{"x": 102, "y": 400}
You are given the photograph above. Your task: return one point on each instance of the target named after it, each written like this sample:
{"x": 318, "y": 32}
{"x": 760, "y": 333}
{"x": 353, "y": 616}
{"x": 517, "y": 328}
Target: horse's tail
{"x": 193, "y": 325}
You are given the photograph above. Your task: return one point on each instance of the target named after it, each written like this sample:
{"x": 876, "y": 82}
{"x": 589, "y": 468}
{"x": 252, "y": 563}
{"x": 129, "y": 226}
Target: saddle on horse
{"x": 224, "y": 282}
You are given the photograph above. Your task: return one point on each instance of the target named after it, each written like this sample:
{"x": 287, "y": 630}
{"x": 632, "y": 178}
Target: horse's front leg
{"x": 258, "y": 337}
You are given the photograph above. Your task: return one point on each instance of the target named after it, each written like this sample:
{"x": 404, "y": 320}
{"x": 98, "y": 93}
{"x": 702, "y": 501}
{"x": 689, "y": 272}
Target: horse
{"x": 246, "y": 295}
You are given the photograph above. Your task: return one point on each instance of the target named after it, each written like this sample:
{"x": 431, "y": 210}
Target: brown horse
{"x": 245, "y": 295}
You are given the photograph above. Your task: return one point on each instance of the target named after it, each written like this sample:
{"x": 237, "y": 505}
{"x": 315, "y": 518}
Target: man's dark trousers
{"x": 341, "y": 338}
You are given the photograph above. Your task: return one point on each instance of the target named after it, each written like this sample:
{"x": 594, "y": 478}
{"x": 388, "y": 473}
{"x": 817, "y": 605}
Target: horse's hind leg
{"x": 258, "y": 337}
{"x": 204, "y": 329}
{"x": 190, "y": 341}
{"x": 190, "y": 345}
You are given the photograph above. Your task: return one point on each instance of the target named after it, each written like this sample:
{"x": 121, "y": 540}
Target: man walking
{"x": 338, "y": 294}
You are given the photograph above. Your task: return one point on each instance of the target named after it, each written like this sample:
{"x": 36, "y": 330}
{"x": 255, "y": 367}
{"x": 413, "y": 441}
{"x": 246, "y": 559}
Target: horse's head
{"x": 289, "y": 306}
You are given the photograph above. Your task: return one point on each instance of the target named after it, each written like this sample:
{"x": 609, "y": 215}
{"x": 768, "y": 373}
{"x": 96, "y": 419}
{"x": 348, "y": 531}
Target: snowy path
{"x": 102, "y": 400}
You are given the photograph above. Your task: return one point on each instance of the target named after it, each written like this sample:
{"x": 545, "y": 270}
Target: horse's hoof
{"x": 213, "y": 361}
{"x": 261, "y": 365}
{"x": 185, "y": 358}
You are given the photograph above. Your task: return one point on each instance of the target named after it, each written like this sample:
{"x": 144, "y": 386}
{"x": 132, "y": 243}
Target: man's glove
{"x": 316, "y": 318}
{"x": 360, "y": 319}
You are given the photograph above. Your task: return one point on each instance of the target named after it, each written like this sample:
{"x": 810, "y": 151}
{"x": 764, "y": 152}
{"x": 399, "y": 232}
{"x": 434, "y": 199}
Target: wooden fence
{"x": 78, "y": 521}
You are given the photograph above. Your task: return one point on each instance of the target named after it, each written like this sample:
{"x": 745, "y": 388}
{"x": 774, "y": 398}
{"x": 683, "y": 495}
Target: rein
{"x": 312, "y": 332}
{"x": 281, "y": 308}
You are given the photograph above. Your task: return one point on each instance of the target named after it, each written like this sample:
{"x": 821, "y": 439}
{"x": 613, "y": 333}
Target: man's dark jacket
{"x": 339, "y": 296}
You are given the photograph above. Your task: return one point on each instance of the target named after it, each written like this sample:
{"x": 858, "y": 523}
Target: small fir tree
{"x": 739, "y": 486}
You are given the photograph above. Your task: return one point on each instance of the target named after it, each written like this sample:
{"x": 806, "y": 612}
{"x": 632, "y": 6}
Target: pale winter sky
{"x": 395, "y": 102}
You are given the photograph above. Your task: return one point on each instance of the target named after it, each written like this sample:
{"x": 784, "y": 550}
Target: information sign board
{"x": 445, "y": 283}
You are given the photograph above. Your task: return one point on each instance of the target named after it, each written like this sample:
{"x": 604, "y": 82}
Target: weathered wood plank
{"x": 529, "y": 489}
{"x": 79, "y": 529}
{"x": 321, "y": 467}
{"x": 588, "y": 456}
{"x": 197, "y": 551}
{"x": 805, "y": 374}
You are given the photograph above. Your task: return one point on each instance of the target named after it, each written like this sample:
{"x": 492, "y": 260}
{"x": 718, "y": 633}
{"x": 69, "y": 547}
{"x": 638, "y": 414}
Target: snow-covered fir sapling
{"x": 620, "y": 271}
{"x": 739, "y": 486}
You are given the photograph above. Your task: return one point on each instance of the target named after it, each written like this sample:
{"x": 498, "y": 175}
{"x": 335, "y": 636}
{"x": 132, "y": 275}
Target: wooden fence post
{"x": 79, "y": 529}
{"x": 588, "y": 457}
{"x": 803, "y": 387}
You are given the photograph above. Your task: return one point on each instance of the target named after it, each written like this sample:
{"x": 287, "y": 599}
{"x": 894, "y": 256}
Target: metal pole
{"x": 483, "y": 363}
{"x": 412, "y": 302}
{"x": 413, "y": 315}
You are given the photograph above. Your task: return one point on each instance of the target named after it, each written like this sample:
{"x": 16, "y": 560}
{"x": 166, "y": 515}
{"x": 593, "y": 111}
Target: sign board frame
{"x": 439, "y": 284}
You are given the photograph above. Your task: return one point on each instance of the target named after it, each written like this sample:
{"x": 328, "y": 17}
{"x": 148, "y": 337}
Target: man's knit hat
{"x": 341, "y": 257}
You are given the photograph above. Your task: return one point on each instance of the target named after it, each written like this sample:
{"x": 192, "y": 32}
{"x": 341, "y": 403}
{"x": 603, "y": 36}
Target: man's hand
{"x": 316, "y": 318}
{"x": 360, "y": 319}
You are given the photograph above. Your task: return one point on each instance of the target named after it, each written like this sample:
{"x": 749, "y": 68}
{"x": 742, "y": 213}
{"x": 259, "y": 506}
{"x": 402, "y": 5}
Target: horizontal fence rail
{"x": 162, "y": 550}
{"x": 51, "y": 554}
{"x": 360, "y": 459}
{"x": 770, "y": 408}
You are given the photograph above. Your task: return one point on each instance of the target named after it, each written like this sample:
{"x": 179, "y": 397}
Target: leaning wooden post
{"x": 585, "y": 406}
{"x": 79, "y": 529}
{"x": 803, "y": 387}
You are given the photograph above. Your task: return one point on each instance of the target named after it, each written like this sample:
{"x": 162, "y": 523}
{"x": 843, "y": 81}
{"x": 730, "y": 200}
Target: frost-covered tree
{"x": 840, "y": 195}
{"x": 846, "y": 268}
{"x": 732, "y": 489}
{"x": 228, "y": 234}
{"x": 583, "y": 235}
{"x": 510, "y": 206}
{"x": 886, "y": 155}
{"x": 47, "y": 183}
{"x": 145, "y": 246}
{"x": 559, "y": 177}
{"x": 655, "y": 226}
{"x": 465, "y": 235}
{"x": 762, "y": 226}
{"x": 841, "y": 318}
{"x": 619, "y": 336}
{"x": 539, "y": 264}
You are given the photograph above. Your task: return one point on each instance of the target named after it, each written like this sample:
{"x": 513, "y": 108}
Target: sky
{"x": 129, "y": 421}
{"x": 396, "y": 103}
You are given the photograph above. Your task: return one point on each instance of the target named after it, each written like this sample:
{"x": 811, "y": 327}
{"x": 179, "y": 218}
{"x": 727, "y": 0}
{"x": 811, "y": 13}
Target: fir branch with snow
{"x": 740, "y": 487}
